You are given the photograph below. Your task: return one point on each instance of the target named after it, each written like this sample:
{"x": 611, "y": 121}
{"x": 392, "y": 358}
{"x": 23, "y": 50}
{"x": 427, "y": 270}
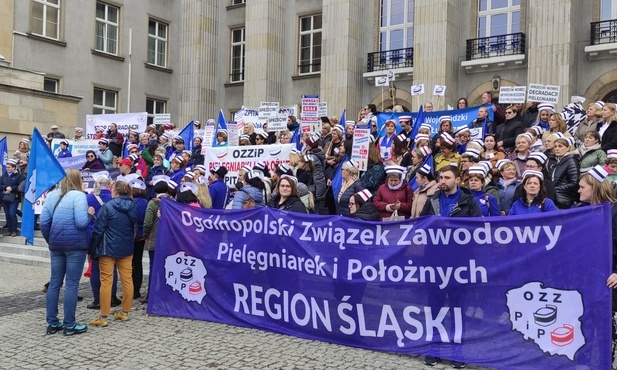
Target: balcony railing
{"x": 496, "y": 46}
{"x": 604, "y": 32}
{"x": 391, "y": 59}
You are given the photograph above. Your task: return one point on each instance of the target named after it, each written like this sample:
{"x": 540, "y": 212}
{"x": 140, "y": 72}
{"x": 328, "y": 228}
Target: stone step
{"x": 39, "y": 241}
{"x": 26, "y": 250}
{"x": 37, "y": 255}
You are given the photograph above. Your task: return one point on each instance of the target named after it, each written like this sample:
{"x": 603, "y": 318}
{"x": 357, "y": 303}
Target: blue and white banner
{"x": 524, "y": 292}
{"x": 76, "y": 147}
{"x": 460, "y": 118}
{"x": 4, "y": 154}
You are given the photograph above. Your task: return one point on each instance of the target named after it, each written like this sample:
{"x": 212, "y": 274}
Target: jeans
{"x": 124, "y": 265}
{"x": 69, "y": 264}
{"x": 95, "y": 280}
{"x": 10, "y": 210}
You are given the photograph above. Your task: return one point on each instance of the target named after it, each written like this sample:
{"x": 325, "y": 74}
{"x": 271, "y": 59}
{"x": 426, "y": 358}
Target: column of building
{"x": 436, "y": 36}
{"x": 343, "y": 60}
{"x": 198, "y": 51}
{"x": 264, "y": 52}
{"x": 551, "y": 46}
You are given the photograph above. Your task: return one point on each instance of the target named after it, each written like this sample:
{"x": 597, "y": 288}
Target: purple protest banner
{"x": 525, "y": 292}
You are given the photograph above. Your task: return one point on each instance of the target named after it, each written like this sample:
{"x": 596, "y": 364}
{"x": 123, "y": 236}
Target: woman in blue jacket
{"x": 531, "y": 196}
{"x": 113, "y": 240}
{"x": 218, "y": 189}
{"x": 487, "y": 202}
{"x": 64, "y": 224}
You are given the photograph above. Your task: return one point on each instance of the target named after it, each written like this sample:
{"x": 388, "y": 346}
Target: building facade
{"x": 192, "y": 57}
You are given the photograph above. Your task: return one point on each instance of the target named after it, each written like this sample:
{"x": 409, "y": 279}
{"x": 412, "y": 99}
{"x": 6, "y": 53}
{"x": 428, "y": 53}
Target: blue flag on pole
{"x": 337, "y": 179}
{"x": 296, "y": 135}
{"x": 484, "y": 127}
{"x": 44, "y": 171}
{"x": 4, "y": 154}
{"x": 187, "y": 134}
{"x": 125, "y": 148}
{"x": 416, "y": 125}
{"x": 428, "y": 160}
{"x": 221, "y": 124}
{"x": 343, "y": 117}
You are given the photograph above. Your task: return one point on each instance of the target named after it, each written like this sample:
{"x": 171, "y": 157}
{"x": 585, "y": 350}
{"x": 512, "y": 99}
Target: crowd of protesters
{"x": 528, "y": 159}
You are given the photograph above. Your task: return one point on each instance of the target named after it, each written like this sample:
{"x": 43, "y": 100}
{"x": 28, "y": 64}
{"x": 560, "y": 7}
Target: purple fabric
{"x": 524, "y": 292}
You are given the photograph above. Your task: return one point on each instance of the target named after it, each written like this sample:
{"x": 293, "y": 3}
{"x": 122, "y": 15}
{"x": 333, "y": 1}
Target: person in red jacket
{"x": 394, "y": 195}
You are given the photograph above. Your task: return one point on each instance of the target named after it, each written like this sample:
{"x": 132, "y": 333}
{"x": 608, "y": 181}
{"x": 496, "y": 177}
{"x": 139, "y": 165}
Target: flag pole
{"x": 128, "y": 90}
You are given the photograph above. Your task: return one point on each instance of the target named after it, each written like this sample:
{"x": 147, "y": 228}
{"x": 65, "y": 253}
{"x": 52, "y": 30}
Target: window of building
{"x": 498, "y": 17}
{"x": 396, "y": 24}
{"x": 157, "y": 43}
{"x": 105, "y": 101}
{"x": 237, "y": 2}
{"x": 51, "y": 84}
{"x": 608, "y": 10}
{"x": 107, "y": 20}
{"x": 154, "y": 106}
{"x": 46, "y": 18}
{"x": 237, "y": 55}
{"x": 310, "y": 44}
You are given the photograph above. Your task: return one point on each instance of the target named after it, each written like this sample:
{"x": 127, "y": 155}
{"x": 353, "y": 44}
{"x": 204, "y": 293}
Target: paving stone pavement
{"x": 152, "y": 342}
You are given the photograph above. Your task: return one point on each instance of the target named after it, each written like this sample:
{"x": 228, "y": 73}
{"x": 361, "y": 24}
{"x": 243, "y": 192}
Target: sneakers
{"x": 458, "y": 365}
{"x": 430, "y": 360}
{"x": 75, "y": 329}
{"x": 119, "y": 315}
{"x": 100, "y": 322}
{"x": 53, "y": 329}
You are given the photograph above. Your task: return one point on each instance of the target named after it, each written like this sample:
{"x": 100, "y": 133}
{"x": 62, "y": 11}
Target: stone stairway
{"x": 16, "y": 250}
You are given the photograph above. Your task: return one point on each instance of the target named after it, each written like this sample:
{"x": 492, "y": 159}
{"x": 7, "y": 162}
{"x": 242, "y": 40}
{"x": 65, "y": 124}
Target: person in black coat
{"x": 287, "y": 197}
{"x": 564, "y": 177}
{"x": 506, "y": 133}
{"x": 11, "y": 197}
{"x": 607, "y": 127}
{"x": 351, "y": 185}
{"x": 360, "y": 208}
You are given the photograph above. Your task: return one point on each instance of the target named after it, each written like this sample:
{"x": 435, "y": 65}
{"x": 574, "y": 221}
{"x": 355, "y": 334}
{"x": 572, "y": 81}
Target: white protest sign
{"x": 382, "y": 81}
{"x": 543, "y": 93}
{"x": 124, "y": 121}
{"x": 417, "y": 89}
{"x": 391, "y": 76}
{"x": 76, "y": 147}
{"x": 322, "y": 111}
{"x": 360, "y": 147}
{"x": 268, "y": 110}
{"x": 439, "y": 90}
{"x": 233, "y": 137}
{"x": 278, "y": 123}
{"x": 512, "y": 94}
{"x": 162, "y": 118}
{"x": 235, "y": 157}
{"x": 208, "y": 136}
{"x": 309, "y": 115}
